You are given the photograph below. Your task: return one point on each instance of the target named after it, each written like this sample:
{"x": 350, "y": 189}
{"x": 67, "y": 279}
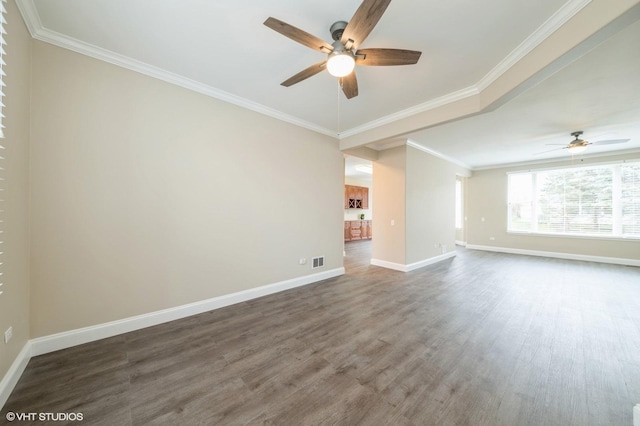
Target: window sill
{"x": 580, "y": 237}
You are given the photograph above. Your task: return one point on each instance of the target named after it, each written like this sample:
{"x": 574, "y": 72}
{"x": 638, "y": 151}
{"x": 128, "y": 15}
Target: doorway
{"x": 358, "y": 211}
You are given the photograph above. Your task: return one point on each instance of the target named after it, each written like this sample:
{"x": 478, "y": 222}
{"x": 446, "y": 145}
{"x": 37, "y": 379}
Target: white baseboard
{"x": 461, "y": 243}
{"x": 412, "y": 266}
{"x": 54, "y": 342}
{"x": 389, "y": 265}
{"x": 12, "y": 376}
{"x": 67, "y": 339}
{"x": 570, "y": 256}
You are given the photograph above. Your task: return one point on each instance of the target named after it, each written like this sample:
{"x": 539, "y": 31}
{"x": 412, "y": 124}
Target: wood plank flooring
{"x": 479, "y": 339}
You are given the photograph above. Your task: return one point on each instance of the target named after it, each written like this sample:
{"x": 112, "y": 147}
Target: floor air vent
{"x": 318, "y": 262}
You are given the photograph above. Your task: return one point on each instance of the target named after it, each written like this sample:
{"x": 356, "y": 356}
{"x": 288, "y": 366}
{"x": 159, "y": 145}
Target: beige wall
{"x": 487, "y": 198}
{"x": 14, "y": 302}
{"x": 417, "y": 191}
{"x": 147, "y": 196}
{"x": 388, "y": 243}
{"x": 430, "y": 206}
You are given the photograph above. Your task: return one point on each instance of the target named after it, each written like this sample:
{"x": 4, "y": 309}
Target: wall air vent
{"x": 318, "y": 262}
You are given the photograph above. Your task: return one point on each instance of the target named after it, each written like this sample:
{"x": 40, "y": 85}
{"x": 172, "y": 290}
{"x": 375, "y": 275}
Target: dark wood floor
{"x": 479, "y": 339}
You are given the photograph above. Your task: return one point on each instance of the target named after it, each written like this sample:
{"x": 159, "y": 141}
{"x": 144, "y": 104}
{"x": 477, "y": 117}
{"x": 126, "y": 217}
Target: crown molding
{"x": 566, "y": 12}
{"x": 30, "y": 15}
{"x": 32, "y": 20}
{"x": 414, "y": 144}
{"x": 630, "y": 151}
{"x": 429, "y": 105}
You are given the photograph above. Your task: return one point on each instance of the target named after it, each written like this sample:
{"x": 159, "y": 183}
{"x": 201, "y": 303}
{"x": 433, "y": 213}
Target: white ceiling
{"x": 223, "y": 49}
{"x": 599, "y": 93}
{"x": 352, "y": 168}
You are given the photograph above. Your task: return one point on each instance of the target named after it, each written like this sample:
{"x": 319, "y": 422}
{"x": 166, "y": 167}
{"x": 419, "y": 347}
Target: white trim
{"x": 461, "y": 243}
{"x": 32, "y": 20}
{"x": 423, "y": 107}
{"x": 435, "y": 153}
{"x": 412, "y": 266}
{"x": 12, "y": 376}
{"x": 609, "y": 237}
{"x": 67, "y": 339}
{"x": 389, "y": 265}
{"x": 30, "y": 15}
{"x": 558, "y": 19}
{"x": 557, "y": 160}
{"x": 583, "y": 165}
{"x": 570, "y": 256}
{"x": 54, "y": 342}
{"x": 430, "y": 261}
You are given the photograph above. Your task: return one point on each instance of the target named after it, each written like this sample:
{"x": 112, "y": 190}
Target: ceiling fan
{"x": 578, "y": 145}
{"x": 343, "y": 54}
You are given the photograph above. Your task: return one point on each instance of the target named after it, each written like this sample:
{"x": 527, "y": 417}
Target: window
{"x": 601, "y": 200}
{"x": 458, "y": 204}
{"x": 630, "y": 199}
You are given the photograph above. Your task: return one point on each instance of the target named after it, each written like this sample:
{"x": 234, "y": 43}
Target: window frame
{"x": 534, "y": 231}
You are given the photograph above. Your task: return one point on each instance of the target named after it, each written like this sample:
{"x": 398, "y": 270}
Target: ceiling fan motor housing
{"x": 578, "y": 142}
{"x": 341, "y": 54}
{"x": 336, "y": 29}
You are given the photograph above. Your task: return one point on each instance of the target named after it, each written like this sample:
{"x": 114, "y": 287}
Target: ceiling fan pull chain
{"x": 339, "y": 88}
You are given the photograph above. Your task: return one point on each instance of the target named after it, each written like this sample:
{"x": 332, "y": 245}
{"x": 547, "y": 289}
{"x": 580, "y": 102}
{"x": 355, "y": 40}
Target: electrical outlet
{"x": 8, "y": 334}
{"x": 302, "y": 261}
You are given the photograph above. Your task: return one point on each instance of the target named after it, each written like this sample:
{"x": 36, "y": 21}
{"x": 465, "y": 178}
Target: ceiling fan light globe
{"x": 341, "y": 64}
{"x": 577, "y": 149}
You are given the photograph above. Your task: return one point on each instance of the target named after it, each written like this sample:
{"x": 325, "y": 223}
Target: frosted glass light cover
{"x": 340, "y": 65}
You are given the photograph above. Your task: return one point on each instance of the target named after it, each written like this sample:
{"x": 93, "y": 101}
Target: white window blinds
{"x": 575, "y": 201}
{"x": 2, "y": 148}
{"x": 630, "y": 199}
{"x": 592, "y": 200}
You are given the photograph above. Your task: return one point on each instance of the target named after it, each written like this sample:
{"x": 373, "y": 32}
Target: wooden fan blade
{"x": 305, "y": 73}
{"x": 349, "y": 85}
{"x": 363, "y": 21}
{"x": 384, "y": 57}
{"x": 298, "y": 35}
{"x": 610, "y": 142}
